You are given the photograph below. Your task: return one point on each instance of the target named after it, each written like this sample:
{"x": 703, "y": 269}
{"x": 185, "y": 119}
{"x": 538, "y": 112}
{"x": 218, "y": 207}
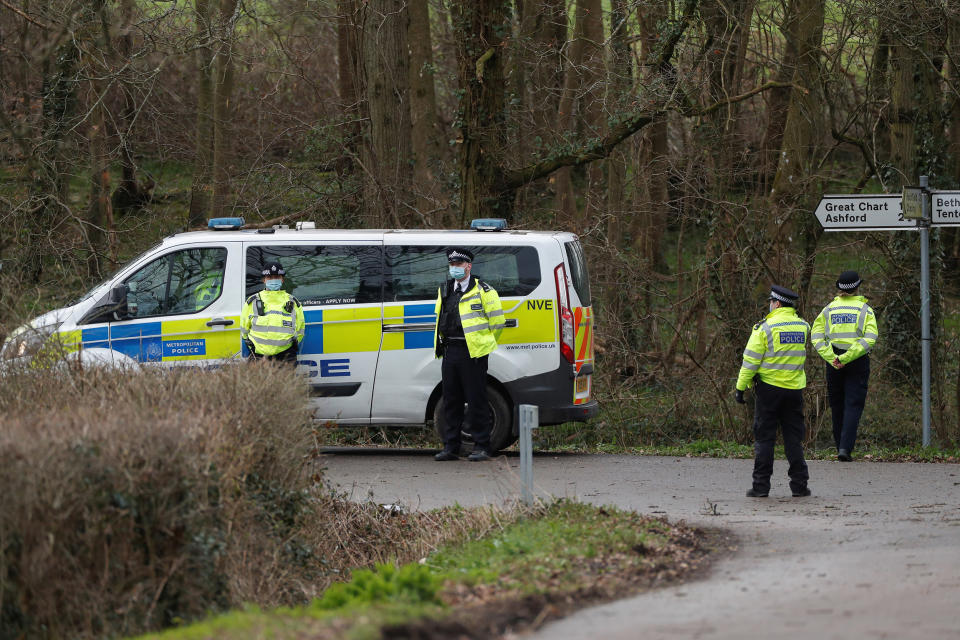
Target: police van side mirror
{"x": 118, "y": 295}
{"x": 111, "y": 307}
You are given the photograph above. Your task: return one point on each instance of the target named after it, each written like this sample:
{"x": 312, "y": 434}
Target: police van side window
{"x": 180, "y": 282}
{"x": 415, "y": 272}
{"x": 321, "y": 274}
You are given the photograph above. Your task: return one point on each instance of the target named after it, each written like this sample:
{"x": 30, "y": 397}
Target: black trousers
{"x": 784, "y": 407}
{"x": 847, "y": 388}
{"x": 465, "y": 381}
{"x": 288, "y": 355}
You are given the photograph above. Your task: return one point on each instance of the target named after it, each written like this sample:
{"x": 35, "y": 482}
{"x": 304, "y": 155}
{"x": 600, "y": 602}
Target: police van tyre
{"x": 501, "y": 434}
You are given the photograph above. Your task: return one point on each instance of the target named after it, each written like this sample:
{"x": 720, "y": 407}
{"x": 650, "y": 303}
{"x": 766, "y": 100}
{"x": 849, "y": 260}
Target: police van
{"x": 368, "y": 299}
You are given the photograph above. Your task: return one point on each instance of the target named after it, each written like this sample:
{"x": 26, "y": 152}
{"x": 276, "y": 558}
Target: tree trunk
{"x": 129, "y": 194}
{"x": 99, "y": 224}
{"x": 223, "y": 84}
{"x": 579, "y": 83}
{"x": 620, "y": 83}
{"x": 202, "y": 189}
{"x": 791, "y": 218}
{"x": 479, "y": 27}
{"x": 652, "y": 165}
{"x": 387, "y": 174}
{"x": 425, "y": 127}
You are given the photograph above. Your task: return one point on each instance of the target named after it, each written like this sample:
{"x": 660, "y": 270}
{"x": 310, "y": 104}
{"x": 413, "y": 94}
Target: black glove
{"x": 740, "y": 399}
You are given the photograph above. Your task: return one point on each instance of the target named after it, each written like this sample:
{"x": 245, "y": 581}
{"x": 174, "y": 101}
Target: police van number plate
{"x": 583, "y": 384}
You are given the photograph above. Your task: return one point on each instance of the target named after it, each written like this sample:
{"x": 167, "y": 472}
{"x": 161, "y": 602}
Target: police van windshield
{"x": 123, "y": 266}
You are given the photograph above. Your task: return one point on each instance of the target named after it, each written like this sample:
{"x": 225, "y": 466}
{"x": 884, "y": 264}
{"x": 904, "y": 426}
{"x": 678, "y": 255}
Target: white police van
{"x": 368, "y": 299}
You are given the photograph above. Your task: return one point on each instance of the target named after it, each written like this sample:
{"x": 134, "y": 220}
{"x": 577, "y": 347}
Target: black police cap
{"x": 273, "y": 269}
{"x": 783, "y": 294}
{"x": 459, "y": 254}
{"x": 848, "y": 281}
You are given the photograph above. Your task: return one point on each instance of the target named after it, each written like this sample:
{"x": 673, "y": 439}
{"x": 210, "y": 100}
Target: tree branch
{"x": 23, "y": 15}
{"x": 773, "y": 84}
{"x": 601, "y": 148}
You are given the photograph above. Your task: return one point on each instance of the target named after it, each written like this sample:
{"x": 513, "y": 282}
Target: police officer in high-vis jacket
{"x": 272, "y": 323}
{"x": 774, "y": 359}
{"x": 469, "y": 322}
{"x": 843, "y": 334}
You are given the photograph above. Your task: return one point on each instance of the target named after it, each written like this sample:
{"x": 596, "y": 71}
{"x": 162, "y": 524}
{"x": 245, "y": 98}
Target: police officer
{"x": 843, "y": 334}
{"x": 210, "y": 287}
{"x": 469, "y": 322}
{"x": 272, "y": 320}
{"x": 775, "y": 356}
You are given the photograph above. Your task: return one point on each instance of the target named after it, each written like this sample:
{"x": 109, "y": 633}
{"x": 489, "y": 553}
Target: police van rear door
{"x": 338, "y": 282}
{"x": 581, "y": 310}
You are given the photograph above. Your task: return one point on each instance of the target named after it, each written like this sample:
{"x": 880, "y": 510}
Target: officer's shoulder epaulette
{"x": 483, "y": 285}
{"x": 297, "y": 302}
{"x": 252, "y": 298}
{"x": 757, "y": 326}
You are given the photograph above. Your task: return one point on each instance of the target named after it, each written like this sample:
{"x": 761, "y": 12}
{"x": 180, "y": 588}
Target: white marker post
{"x": 890, "y": 212}
{"x": 529, "y": 415}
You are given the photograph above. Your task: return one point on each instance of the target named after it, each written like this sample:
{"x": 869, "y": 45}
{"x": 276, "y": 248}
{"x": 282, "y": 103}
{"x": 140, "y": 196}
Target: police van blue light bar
{"x": 488, "y": 224}
{"x": 225, "y": 224}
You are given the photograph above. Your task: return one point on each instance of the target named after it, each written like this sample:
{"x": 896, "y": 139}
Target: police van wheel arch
{"x": 501, "y": 436}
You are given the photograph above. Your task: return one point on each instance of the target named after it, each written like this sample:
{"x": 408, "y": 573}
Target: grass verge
{"x": 556, "y": 559}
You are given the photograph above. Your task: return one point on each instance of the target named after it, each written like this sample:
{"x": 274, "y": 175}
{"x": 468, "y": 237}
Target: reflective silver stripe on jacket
{"x": 792, "y": 352}
{"x": 786, "y": 367}
{"x": 750, "y": 366}
{"x": 862, "y": 319}
{"x": 472, "y": 315}
{"x": 274, "y": 343}
{"x": 844, "y": 334}
{"x": 752, "y": 354}
{"x": 269, "y": 328}
{"x": 476, "y": 327}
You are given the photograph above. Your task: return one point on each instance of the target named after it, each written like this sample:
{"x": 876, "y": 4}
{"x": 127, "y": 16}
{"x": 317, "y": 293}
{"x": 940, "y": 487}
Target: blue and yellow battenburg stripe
{"x": 331, "y": 330}
{"x": 164, "y": 341}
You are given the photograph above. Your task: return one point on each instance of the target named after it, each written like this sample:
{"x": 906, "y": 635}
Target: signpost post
{"x": 917, "y": 209}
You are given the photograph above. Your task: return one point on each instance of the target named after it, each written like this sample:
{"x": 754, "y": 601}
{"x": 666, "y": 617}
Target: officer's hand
{"x": 739, "y": 397}
{"x": 837, "y": 364}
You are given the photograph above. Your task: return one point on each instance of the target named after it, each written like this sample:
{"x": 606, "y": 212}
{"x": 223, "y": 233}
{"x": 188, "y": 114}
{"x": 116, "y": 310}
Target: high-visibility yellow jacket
{"x": 208, "y": 290}
{"x": 847, "y": 323}
{"x": 481, "y": 316}
{"x": 776, "y": 351}
{"x": 274, "y": 325}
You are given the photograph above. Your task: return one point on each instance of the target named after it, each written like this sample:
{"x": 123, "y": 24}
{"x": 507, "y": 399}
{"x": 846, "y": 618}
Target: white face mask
{"x": 771, "y": 306}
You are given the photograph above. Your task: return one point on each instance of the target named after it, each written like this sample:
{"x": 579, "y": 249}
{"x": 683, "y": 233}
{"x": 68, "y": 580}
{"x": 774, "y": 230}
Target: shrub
{"x": 123, "y": 492}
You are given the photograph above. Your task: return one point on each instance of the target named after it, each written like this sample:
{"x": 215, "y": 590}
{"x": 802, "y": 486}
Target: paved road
{"x": 875, "y": 553}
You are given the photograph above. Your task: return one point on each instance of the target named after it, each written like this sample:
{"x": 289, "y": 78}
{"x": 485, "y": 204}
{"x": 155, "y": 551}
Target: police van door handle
{"x": 512, "y": 323}
{"x": 404, "y": 328}
{"x": 219, "y": 322}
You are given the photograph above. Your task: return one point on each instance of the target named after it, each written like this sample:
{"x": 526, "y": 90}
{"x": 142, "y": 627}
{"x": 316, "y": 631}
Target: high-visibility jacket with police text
{"x": 776, "y": 351}
{"x": 272, "y": 321}
{"x": 481, "y": 316}
{"x": 849, "y": 324}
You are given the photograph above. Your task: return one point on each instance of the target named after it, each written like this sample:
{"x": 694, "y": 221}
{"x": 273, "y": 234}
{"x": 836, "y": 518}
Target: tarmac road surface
{"x": 874, "y": 553}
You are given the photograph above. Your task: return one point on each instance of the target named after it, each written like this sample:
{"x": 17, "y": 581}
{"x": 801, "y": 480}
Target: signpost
{"x": 869, "y": 212}
{"x": 917, "y": 209}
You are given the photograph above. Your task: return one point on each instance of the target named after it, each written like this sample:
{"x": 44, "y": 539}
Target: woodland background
{"x": 685, "y": 142}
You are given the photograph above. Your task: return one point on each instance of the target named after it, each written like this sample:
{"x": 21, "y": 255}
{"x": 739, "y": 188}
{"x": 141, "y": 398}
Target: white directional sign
{"x": 867, "y": 212}
{"x": 945, "y": 208}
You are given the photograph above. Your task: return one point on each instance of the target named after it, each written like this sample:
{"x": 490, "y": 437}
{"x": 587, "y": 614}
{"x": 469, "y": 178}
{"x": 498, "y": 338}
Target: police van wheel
{"x": 501, "y": 434}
